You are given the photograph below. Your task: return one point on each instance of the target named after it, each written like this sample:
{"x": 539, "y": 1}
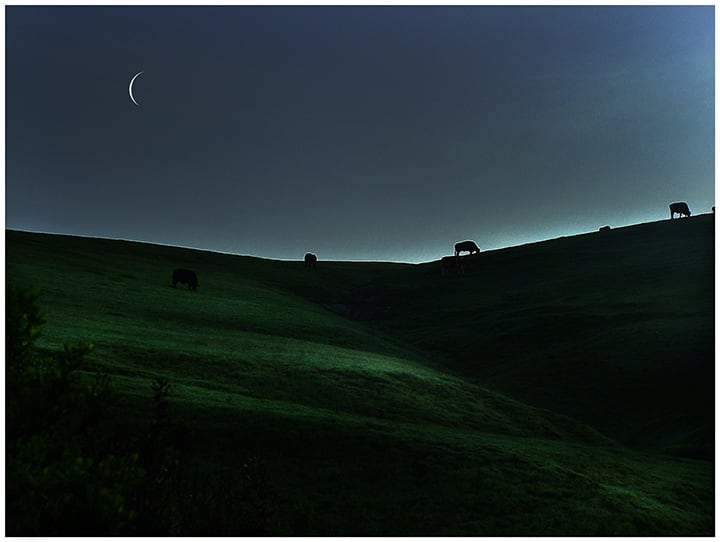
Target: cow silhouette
{"x": 605, "y": 228}
{"x": 466, "y": 246}
{"x": 185, "y": 276}
{"x": 679, "y": 207}
{"x": 452, "y": 265}
{"x": 311, "y": 260}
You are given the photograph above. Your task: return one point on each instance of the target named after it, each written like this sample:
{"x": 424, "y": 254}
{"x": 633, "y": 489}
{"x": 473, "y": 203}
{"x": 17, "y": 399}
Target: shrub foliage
{"x": 71, "y": 471}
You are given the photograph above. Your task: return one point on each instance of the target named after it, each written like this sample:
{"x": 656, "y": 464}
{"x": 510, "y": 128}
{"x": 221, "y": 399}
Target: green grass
{"x": 532, "y": 396}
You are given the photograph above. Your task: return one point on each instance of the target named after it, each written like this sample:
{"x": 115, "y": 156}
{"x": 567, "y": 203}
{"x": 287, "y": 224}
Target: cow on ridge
{"x": 310, "y": 260}
{"x": 679, "y": 207}
{"x": 185, "y": 276}
{"x": 466, "y": 246}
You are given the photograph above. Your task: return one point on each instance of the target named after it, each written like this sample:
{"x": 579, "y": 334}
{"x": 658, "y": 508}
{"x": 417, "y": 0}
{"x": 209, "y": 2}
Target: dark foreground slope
{"x": 613, "y": 328}
{"x": 348, "y": 427}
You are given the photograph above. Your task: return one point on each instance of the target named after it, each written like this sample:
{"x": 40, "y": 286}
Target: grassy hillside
{"x": 349, "y": 386}
{"x": 613, "y": 328}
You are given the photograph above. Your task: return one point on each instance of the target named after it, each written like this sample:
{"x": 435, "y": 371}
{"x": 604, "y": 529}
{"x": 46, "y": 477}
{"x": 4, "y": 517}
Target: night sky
{"x": 357, "y": 133}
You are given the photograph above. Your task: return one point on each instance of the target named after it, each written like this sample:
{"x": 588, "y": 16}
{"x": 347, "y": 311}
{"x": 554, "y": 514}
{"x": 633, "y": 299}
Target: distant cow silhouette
{"x": 466, "y": 246}
{"x": 311, "y": 260}
{"x": 605, "y": 228}
{"x": 452, "y": 265}
{"x": 679, "y": 207}
{"x": 185, "y": 276}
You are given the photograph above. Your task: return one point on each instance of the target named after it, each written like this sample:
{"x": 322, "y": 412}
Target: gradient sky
{"x": 357, "y": 133}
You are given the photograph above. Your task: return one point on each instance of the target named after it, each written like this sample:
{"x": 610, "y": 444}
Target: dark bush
{"x": 61, "y": 476}
{"x": 71, "y": 470}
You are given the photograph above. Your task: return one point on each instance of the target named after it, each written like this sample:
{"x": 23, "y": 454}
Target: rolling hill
{"x": 613, "y": 328}
{"x": 559, "y": 388}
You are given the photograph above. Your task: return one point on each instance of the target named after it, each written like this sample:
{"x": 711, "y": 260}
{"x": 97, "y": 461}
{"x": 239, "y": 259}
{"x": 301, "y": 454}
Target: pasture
{"x": 559, "y": 388}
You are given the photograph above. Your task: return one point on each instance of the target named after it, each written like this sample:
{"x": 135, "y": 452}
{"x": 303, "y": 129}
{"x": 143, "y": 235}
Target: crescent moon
{"x": 130, "y": 88}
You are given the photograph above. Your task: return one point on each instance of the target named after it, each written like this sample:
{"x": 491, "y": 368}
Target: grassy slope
{"x": 615, "y": 329}
{"x": 361, "y": 434}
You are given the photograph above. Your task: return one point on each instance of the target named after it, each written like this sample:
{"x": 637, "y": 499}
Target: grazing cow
{"x": 311, "y": 260}
{"x": 466, "y": 246}
{"x": 452, "y": 265}
{"x": 185, "y": 276}
{"x": 605, "y": 228}
{"x": 680, "y": 208}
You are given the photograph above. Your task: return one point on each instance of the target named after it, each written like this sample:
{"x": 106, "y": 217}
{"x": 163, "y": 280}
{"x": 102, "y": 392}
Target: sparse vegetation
{"x": 445, "y": 406}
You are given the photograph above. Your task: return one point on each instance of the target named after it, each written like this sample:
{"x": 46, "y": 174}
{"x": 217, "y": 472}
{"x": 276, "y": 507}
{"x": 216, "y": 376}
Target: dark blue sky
{"x": 382, "y": 133}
